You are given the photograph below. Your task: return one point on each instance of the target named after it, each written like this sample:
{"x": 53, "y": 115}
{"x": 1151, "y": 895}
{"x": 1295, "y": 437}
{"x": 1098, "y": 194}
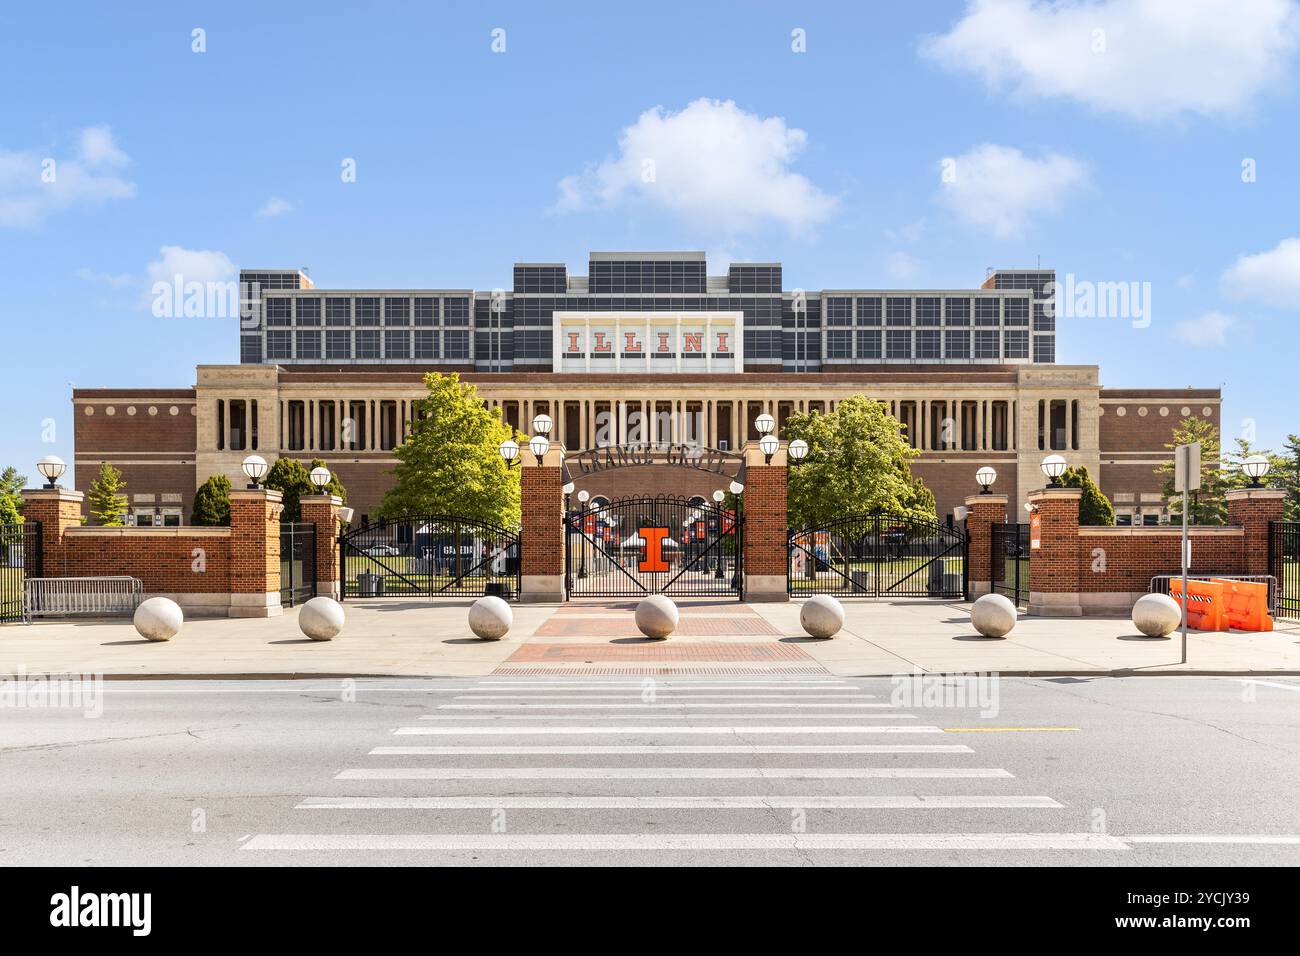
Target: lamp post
{"x": 768, "y": 445}
{"x": 797, "y": 450}
{"x": 1053, "y": 467}
{"x": 764, "y": 424}
{"x": 986, "y": 476}
{"x": 568, "y": 527}
{"x": 509, "y": 450}
{"x": 719, "y": 497}
{"x": 51, "y": 467}
{"x": 320, "y": 477}
{"x": 255, "y": 467}
{"x": 1255, "y": 467}
{"x": 542, "y": 424}
{"x": 737, "y": 533}
{"x": 539, "y": 445}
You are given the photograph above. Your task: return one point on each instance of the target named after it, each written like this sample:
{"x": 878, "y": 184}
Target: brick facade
{"x": 767, "y": 527}
{"x": 982, "y": 512}
{"x": 323, "y": 512}
{"x": 541, "y": 543}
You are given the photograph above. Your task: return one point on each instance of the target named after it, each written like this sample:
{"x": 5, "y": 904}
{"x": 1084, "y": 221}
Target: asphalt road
{"x": 1114, "y": 772}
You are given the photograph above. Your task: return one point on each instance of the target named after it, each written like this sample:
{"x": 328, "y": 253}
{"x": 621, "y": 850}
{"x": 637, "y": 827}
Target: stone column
{"x": 982, "y": 512}
{"x": 1253, "y": 509}
{"x": 255, "y": 553}
{"x": 541, "y": 542}
{"x": 57, "y": 510}
{"x": 323, "y": 512}
{"x": 766, "y": 526}
{"x": 1054, "y": 564}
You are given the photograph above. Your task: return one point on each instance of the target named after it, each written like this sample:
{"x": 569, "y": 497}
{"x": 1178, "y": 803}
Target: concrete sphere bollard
{"x": 321, "y": 619}
{"x": 993, "y": 615}
{"x": 821, "y": 616}
{"x": 158, "y": 619}
{"x": 490, "y": 618}
{"x": 656, "y": 616}
{"x": 1157, "y": 615}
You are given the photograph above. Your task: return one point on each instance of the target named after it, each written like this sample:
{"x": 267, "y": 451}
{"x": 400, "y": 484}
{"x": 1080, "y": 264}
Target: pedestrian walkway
{"x": 780, "y": 771}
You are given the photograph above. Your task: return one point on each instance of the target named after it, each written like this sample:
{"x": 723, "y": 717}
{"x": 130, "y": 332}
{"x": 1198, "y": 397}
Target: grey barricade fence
{"x": 58, "y": 597}
{"x": 1160, "y": 583}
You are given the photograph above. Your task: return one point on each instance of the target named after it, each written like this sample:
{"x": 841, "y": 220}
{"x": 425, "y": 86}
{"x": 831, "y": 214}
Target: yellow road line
{"x": 1001, "y": 730}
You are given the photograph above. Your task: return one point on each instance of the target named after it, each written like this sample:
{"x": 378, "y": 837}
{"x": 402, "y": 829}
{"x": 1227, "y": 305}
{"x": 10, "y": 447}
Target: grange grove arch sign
{"x": 712, "y": 460}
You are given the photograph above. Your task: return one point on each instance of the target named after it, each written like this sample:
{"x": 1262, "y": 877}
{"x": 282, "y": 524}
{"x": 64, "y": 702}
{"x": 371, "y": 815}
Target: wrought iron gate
{"x": 429, "y": 556}
{"x": 297, "y": 562}
{"x": 20, "y": 558}
{"x": 875, "y": 554}
{"x": 1284, "y": 565}
{"x": 1009, "y": 561}
{"x": 667, "y": 544}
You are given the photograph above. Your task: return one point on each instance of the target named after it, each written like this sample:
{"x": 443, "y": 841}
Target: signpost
{"x": 1187, "y": 477}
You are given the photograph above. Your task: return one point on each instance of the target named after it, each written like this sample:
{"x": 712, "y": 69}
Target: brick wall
{"x": 323, "y": 512}
{"x": 541, "y": 543}
{"x": 1125, "y": 559}
{"x": 983, "y": 511}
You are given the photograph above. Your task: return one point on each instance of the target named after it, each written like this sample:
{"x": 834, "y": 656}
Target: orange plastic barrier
{"x": 1245, "y": 605}
{"x": 1204, "y": 603}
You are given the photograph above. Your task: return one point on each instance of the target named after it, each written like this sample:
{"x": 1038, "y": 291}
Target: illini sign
{"x": 648, "y": 342}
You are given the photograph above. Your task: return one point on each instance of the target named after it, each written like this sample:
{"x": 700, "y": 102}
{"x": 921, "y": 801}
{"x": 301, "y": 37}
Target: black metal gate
{"x": 875, "y": 554}
{"x": 20, "y": 557}
{"x": 1284, "y": 565}
{"x": 429, "y": 556}
{"x": 1009, "y": 561}
{"x": 667, "y": 544}
{"x": 297, "y": 562}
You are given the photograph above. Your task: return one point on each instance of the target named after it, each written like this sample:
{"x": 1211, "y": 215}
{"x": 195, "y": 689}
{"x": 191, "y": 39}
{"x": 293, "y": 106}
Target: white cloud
{"x": 902, "y": 266}
{"x": 35, "y": 184}
{"x": 1146, "y": 59}
{"x": 1269, "y": 278}
{"x": 192, "y": 265}
{"x": 1208, "y": 329}
{"x": 275, "y": 206}
{"x": 712, "y": 164}
{"x": 998, "y": 188}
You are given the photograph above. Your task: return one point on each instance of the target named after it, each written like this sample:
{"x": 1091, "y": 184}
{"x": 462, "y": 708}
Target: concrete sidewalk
{"x": 417, "y": 638}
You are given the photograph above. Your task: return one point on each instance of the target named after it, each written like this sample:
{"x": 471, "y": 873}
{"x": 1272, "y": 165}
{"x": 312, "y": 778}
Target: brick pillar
{"x": 1054, "y": 565}
{"x": 982, "y": 512}
{"x": 766, "y": 527}
{"x": 541, "y": 539}
{"x": 323, "y": 512}
{"x": 255, "y": 553}
{"x": 57, "y": 509}
{"x": 1252, "y": 509}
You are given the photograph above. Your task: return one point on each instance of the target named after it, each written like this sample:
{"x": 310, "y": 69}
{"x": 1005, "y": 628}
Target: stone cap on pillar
{"x": 989, "y": 499}
{"x": 1251, "y": 494}
{"x": 53, "y": 494}
{"x": 554, "y": 457}
{"x": 333, "y": 500}
{"x": 253, "y": 494}
{"x": 1049, "y": 493}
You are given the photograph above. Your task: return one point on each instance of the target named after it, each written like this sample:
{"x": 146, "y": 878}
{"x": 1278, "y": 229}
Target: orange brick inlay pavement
{"x": 652, "y": 653}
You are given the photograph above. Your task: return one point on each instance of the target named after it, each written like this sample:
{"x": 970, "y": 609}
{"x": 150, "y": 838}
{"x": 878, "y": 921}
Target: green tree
{"x": 335, "y": 487}
{"x": 858, "y": 460}
{"x": 1207, "y": 505}
{"x": 11, "y": 495}
{"x": 1288, "y": 478}
{"x": 293, "y": 480}
{"x": 107, "y": 502}
{"x": 212, "y": 503}
{"x": 1094, "y": 507}
{"x": 1235, "y": 476}
{"x": 450, "y": 463}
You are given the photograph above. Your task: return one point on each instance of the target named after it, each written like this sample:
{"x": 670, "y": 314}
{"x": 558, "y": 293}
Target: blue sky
{"x": 1102, "y": 138}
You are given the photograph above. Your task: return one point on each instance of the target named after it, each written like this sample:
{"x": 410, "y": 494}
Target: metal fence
{"x": 93, "y": 596}
{"x": 1284, "y": 564}
{"x": 297, "y": 562}
{"x": 665, "y": 544}
{"x": 429, "y": 556}
{"x": 1009, "y": 561}
{"x": 879, "y": 554}
{"x": 1161, "y": 582}
{"x": 20, "y": 558}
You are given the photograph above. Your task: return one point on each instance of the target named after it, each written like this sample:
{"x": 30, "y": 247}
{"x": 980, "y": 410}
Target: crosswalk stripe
{"x": 670, "y": 730}
{"x": 641, "y": 842}
{"x": 661, "y": 716}
{"x": 631, "y": 695}
{"x": 662, "y": 682}
{"x": 670, "y": 706}
{"x": 666, "y": 773}
{"x": 905, "y": 801}
{"x": 632, "y": 687}
{"x": 674, "y": 749}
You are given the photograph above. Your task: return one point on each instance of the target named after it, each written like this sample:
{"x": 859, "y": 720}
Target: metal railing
{"x": 1160, "y": 583}
{"x": 20, "y": 557}
{"x": 1009, "y": 561}
{"x": 1284, "y": 564}
{"x": 68, "y": 596}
